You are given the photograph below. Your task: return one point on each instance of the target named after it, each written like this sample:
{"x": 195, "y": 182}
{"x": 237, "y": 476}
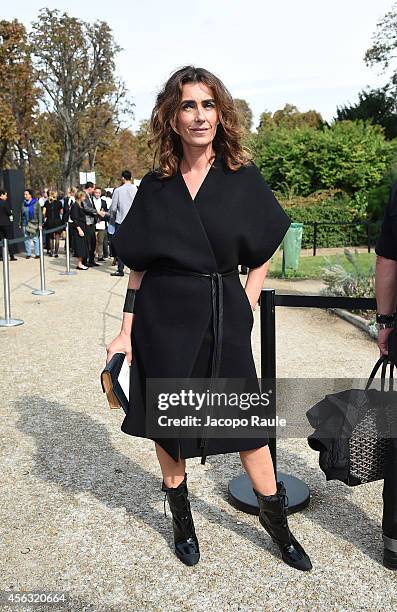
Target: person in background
{"x": 110, "y": 229}
{"x": 100, "y": 226}
{"x": 78, "y": 217}
{"x": 31, "y": 222}
{"x": 386, "y": 300}
{"x": 122, "y": 200}
{"x": 66, "y": 217}
{"x": 6, "y": 228}
{"x": 91, "y": 219}
{"x": 43, "y": 197}
{"x": 52, "y": 213}
{"x": 106, "y": 243}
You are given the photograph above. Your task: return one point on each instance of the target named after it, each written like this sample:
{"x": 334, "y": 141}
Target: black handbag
{"x": 115, "y": 380}
{"x": 353, "y": 430}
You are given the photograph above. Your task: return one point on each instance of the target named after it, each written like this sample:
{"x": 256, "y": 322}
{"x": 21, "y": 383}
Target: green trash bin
{"x": 292, "y": 242}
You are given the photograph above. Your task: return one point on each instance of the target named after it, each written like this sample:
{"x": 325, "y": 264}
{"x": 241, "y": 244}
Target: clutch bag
{"x": 115, "y": 380}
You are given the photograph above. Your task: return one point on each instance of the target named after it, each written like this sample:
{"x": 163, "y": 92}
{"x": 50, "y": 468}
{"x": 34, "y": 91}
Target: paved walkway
{"x": 80, "y": 501}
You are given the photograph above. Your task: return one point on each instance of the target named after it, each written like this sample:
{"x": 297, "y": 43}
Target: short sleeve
{"x": 386, "y": 245}
{"x": 134, "y": 240}
{"x": 265, "y": 221}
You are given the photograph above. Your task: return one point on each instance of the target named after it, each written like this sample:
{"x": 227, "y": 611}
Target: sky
{"x": 307, "y": 53}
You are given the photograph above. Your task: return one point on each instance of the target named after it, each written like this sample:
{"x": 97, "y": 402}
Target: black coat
{"x": 234, "y": 219}
{"x": 78, "y": 217}
{"x": 5, "y": 212}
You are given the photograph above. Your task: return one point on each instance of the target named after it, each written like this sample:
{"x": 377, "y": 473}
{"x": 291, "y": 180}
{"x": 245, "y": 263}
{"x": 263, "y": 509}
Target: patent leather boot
{"x": 186, "y": 543}
{"x": 390, "y": 559}
{"x": 273, "y": 517}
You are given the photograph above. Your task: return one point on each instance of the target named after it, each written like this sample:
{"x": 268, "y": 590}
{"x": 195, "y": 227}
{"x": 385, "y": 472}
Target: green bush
{"x": 352, "y": 156}
{"x": 334, "y": 207}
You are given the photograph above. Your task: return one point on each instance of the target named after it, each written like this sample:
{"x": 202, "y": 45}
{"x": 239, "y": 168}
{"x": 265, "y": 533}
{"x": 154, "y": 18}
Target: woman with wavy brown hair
{"x": 203, "y": 212}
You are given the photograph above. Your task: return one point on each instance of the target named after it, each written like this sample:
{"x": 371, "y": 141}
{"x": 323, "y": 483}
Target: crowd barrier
{"x": 316, "y": 225}
{"x": 8, "y": 321}
{"x": 240, "y": 488}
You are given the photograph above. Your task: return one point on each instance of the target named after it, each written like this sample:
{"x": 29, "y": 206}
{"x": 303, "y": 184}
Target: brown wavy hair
{"x": 166, "y": 143}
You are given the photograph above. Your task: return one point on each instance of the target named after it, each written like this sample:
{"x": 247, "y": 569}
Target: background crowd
{"x": 93, "y": 216}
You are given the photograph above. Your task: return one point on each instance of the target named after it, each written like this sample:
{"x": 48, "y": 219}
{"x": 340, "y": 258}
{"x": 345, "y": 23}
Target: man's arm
{"x": 115, "y": 202}
{"x": 386, "y": 295}
{"x": 89, "y": 208}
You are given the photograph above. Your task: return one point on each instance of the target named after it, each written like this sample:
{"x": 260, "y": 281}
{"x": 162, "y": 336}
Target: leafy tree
{"x": 382, "y": 53}
{"x": 375, "y": 105}
{"x": 46, "y": 144}
{"x": 144, "y": 155}
{"x": 245, "y": 113}
{"x": 117, "y": 155}
{"x": 18, "y": 94}
{"x": 290, "y": 117}
{"x": 75, "y": 65}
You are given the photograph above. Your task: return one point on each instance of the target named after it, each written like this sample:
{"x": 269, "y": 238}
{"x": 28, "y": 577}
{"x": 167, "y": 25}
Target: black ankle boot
{"x": 273, "y": 517}
{"x": 186, "y": 543}
{"x": 390, "y": 559}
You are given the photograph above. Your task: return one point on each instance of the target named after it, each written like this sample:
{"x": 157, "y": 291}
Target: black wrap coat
{"x": 233, "y": 220}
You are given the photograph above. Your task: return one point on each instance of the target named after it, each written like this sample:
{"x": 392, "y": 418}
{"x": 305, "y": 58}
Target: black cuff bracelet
{"x": 385, "y": 318}
{"x": 129, "y": 300}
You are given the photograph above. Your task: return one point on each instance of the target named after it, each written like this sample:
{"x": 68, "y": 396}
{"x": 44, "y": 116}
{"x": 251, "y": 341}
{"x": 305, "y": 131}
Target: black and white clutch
{"x": 115, "y": 380}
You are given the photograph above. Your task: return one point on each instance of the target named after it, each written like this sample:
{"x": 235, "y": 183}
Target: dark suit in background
{"x": 90, "y": 236}
{"x": 6, "y": 228}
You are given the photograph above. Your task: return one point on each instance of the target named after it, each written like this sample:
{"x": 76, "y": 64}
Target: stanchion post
{"x": 367, "y": 223}
{"x": 68, "y": 271}
{"x": 314, "y": 238}
{"x": 240, "y": 488}
{"x": 42, "y": 290}
{"x": 268, "y": 358}
{"x": 7, "y": 321}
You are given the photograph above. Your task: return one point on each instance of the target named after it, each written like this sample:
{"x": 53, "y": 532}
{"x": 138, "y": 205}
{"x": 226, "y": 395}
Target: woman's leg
{"x": 28, "y": 246}
{"x": 173, "y": 471}
{"x": 258, "y": 464}
{"x": 272, "y": 502}
{"x": 175, "y": 486}
{"x": 57, "y": 236}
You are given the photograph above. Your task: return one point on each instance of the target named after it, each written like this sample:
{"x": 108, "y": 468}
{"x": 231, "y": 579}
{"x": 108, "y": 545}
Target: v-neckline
{"x": 193, "y": 200}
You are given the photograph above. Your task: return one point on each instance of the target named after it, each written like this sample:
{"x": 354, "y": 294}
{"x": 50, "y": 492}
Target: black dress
{"x": 192, "y": 315}
{"x": 53, "y": 214}
{"x": 77, "y": 215}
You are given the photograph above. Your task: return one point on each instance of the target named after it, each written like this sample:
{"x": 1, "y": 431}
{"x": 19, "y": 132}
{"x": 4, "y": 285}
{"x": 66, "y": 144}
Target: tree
{"x": 117, "y": 155}
{"x": 290, "y": 117}
{"x": 383, "y": 50}
{"x": 144, "y": 155}
{"x": 375, "y": 105}
{"x": 266, "y": 121}
{"x": 18, "y": 94}
{"x": 244, "y": 112}
{"x": 75, "y": 65}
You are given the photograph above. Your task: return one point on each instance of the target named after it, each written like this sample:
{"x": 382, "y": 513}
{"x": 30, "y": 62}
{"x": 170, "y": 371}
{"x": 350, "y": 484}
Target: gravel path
{"x": 81, "y": 505}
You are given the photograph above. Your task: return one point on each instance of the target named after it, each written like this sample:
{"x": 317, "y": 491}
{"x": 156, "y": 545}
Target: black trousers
{"x": 90, "y": 238}
{"x": 389, "y": 523}
{"x": 7, "y": 231}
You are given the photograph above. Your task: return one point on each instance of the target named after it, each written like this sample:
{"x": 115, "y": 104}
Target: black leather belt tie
{"x": 217, "y": 325}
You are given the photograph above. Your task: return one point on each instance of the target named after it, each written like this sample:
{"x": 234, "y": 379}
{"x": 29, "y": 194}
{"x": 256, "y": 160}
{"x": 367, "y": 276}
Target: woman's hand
{"x": 383, "y": 335}
{"x": 80, "y": 231}
{"x": 121, "y": 344}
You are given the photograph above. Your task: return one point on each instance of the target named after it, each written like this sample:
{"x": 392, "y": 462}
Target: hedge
{"x": 337, "y": 208}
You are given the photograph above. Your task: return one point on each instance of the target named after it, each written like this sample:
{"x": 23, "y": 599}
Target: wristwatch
{"x": 385, "y": 321}
{"x": 384, "y": 325}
